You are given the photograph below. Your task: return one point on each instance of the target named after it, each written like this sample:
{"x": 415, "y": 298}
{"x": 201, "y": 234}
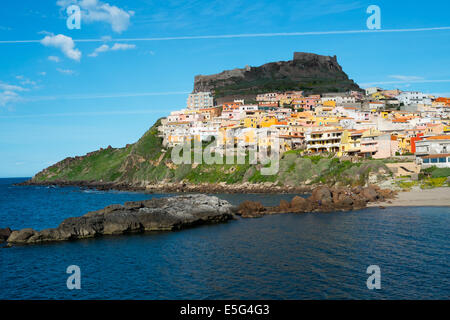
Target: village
{"x": 376, "y": 124}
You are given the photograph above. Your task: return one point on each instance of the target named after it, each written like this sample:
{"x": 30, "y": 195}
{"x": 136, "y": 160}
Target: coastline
{"x": 416, "y": 197}
{"x": 181, "y": 187}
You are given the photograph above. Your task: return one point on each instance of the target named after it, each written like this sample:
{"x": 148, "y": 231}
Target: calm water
{"x": 307, "y": 256}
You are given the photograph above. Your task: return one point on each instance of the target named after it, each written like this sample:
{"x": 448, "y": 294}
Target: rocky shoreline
{"x": 322, "y": 199}
{"x": 179, "y": 212}
{"x": 181, "y": 187}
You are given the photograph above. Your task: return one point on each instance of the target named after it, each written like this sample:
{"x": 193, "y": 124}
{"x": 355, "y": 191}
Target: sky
{"x": 65, "y": 92}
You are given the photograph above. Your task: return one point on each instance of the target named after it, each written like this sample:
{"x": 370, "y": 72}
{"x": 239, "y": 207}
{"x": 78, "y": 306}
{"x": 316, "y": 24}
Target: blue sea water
{"x": 288, "y": 256}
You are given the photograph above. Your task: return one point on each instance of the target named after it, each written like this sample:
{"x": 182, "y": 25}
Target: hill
{"x": 146, "y": 162}
{"x": 308, "y": 72}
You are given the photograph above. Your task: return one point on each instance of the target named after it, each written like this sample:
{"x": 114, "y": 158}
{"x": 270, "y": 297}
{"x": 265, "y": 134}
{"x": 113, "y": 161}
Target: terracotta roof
{"x": 444, "y": 137}
{"x": 438, "y": 155}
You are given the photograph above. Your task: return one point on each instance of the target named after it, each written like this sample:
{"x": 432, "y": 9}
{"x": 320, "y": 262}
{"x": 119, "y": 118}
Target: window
{"x": 441, "y": 160}
{"x": 434, "y": 160}
{"x": 426, "y": 160}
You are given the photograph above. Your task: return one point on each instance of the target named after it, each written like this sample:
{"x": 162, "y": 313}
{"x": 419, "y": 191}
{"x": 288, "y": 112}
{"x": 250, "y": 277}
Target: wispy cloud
{"x": 54, "y": 58}
{"x": 105, "y": 95}
{"x": 10, "y": 87}
{"x": 64, "y": 43}
{"x": 25, "y": 81}
{"x": 65, "y": 71}
{"x": 115, "y": 47}
{"x": 7, "y": 97}
{"x": 406, "y": 78}
{"x": 368, "y": 84}
{"x": 11, "y": 93}
{"x": 97, "y": 11}
{"x": 83, "y": 114}
{"x": 243, "y": 35}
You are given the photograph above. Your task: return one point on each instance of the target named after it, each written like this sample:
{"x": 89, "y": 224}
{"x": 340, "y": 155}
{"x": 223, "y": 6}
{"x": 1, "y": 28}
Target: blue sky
{"x": 63, "y": 97}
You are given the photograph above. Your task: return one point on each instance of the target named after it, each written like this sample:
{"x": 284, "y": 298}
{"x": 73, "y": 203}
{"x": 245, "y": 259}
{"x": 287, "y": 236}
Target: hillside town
{"x": 375, "y": 124}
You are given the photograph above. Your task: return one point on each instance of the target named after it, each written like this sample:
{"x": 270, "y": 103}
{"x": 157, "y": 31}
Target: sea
{"x": 286, "y": 256}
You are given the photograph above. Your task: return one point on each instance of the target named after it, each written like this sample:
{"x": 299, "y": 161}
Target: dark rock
{"x": 151, "y": 215}
{"x": 251, "y": 209}
{"x": 321, "y": 196}
{"x": 370, "y": 193}
{"x": 4, "y": 234}
{"x": 324, "y": 71}
{"x": 20, "y": 236}
{"x": 284, "y": 206}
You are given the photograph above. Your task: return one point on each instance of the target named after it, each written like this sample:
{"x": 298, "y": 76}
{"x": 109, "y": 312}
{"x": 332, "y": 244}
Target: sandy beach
{"x": 437, "y": 197}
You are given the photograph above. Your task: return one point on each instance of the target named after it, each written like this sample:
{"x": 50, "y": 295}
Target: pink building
{"x": 379, "y": 146}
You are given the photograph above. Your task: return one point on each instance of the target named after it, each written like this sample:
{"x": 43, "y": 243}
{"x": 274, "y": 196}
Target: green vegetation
{"x": 146, "y": 161}
{"x": 431, "y": 177}
{"x": 272, "y": 84}
{"x": 433, "y": 183}
{"x": 435, "y": 172}
{"x": 406, "y": 185}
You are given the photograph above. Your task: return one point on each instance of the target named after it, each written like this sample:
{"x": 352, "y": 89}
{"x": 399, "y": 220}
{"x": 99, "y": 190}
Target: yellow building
{"x": 350, "y": 143}
{"x": 329, "y": 103}
{"x": 404, "y": 144}
{"x": 285, "y": 102}
{"x": 378, "y": 96}
{"x": 251, "y": 122}
{"x": 268, "y": 121}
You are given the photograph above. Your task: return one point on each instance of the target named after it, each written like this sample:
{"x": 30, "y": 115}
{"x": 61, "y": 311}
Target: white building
{"x": 433, "y": 145}
{"x": 200, "y": 100}
{"x": 413, "y": 97}
{"x": 433, "y": 151}
{"x": 372, "y": 90}
{"x": 339, "y": 98}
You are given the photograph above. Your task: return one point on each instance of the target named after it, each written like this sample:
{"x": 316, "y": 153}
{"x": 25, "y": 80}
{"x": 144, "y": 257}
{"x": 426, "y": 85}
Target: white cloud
{"x": 54, "y": 58}
{"x": 97, "y": 11}
{"x": 65, "y": 71}
{"x": 122, "y": 46}
{"x": 115, "y": 47}
{"x": 405, "y": 78}
{"x": 7, "y": 97}
{"x": 25, "y": 81}
{"x": 10, "y": 87}
{"x": 102, "y": 48}
{"x": 43, "y": 73}
{"x": 64, "y": 43}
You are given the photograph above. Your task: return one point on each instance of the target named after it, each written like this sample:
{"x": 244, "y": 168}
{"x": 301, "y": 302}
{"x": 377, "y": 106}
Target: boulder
{"x": 370, "y": 194}
{"x": 4, "y": 234}
{"x": 321, "y": 195}
{"x": 251, "y": 209}
{"x": 284, "y": 206}
{"x": 20, "y": 236}
{"x": 299, "y": 204}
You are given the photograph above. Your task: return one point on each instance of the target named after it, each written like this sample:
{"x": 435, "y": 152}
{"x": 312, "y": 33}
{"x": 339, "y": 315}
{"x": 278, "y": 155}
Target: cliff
{"x": 308, "y": 72}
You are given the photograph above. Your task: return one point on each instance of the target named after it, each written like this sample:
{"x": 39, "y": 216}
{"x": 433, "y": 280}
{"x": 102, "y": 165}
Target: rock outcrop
{"x": 309, "y": 72}
{"x": 4, "y": 234}
{"x": 161, "y": 214}
{"x": 322, "y": 199}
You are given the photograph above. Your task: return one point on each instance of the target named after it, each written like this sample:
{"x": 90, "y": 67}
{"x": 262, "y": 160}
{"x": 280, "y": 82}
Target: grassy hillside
{"x": 146, "y": 162}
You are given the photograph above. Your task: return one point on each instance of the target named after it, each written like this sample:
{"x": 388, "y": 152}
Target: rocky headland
{"x": 163, "y": 214}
